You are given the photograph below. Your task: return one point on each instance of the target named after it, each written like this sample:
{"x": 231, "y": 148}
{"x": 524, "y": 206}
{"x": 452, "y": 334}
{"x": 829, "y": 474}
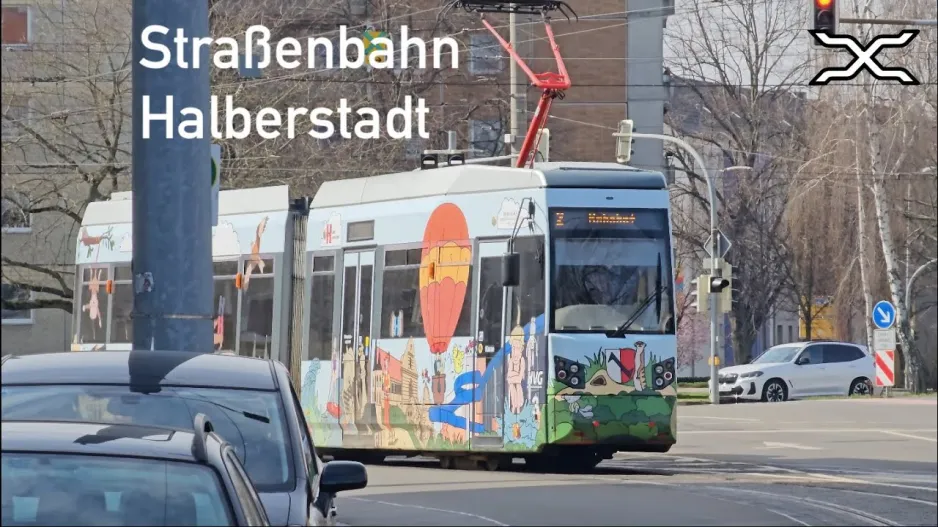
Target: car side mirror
{"x": 339, "y": 476}
{"x": 511, "y": 270}
{"x": 802, "y": 361}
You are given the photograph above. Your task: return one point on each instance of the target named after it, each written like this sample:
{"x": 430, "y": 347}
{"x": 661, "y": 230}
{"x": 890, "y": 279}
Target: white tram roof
{"x": 119, "y": 209}
{"x": 466, "y": 179}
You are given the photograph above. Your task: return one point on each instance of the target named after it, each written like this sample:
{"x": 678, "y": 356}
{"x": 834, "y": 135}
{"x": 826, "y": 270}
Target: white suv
{"x": 801, "y": 369}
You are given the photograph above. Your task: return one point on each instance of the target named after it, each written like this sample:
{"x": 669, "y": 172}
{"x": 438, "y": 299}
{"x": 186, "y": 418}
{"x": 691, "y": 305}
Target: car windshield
{"x": 777, "y": 354}
{"x": 60, "y": 489}
{"x": 260, "y": 445}
{"x": 610, "y": 266}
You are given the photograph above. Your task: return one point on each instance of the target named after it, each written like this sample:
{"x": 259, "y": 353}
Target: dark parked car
{"x": 98, "y": 474}
{"x": 251, "y": 403}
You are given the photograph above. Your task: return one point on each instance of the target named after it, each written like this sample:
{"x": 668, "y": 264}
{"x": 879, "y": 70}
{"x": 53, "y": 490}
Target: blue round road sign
{"x": 884, "y": 315}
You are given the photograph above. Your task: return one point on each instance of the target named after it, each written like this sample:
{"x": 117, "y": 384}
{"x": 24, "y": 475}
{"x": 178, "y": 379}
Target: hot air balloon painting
{"x": 444, "y": 273}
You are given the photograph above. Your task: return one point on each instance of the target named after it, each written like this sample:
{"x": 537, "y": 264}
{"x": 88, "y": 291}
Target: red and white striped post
{"x": 885, "y": 361}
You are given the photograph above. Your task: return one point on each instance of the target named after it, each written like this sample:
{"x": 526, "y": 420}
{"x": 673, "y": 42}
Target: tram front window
{"x": 611, "y": 267}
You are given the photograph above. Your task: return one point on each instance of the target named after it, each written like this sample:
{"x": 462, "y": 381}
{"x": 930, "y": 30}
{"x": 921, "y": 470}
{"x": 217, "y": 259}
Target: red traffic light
{"x": 825, "y": 16}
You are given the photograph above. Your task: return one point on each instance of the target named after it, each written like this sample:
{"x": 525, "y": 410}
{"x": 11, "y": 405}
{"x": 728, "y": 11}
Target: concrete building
{"x": 40, "y": 185}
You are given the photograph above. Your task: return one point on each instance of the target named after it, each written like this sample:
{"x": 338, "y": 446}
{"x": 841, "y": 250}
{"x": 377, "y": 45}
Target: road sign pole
{"x": 172, "y": 234}
{"x": 714, "y": 255}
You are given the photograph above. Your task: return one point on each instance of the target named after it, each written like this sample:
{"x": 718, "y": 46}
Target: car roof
{"x": 146, "y": 367}
{"x": 803, "y": 343}
{"x": 98, "y": 439}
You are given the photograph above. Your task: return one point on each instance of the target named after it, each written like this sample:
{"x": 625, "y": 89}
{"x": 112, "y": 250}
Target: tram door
{"x": 356, "y": 343}
{"x": 489, "y": 409}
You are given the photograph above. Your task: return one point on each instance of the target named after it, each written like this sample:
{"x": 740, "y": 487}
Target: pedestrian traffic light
{"x": 700, "y": 293}
{"x": 825, "y": 16}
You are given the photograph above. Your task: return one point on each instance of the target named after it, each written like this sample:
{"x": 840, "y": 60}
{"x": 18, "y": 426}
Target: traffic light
{"x": 700, "y": 292}
{"x": 624, "y": 141}
{"x": 717, "y": 284}
{"x": 825, "y": 16}
{"x": 726, "y": 296}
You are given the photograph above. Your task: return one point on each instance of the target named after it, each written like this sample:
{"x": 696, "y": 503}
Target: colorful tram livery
{"x": 466, "y": 312}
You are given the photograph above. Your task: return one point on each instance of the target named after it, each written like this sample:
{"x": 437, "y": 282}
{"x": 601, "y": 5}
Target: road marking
{"x": 890, "y": 496}
{"x": 792, "y": 518}
{"x": 801, "y": 431}
{"x": 910, "y": 436}
{"x": 773, "y": 445}
{"x": 718, "y": 418}
{"x": 433, "y": 509}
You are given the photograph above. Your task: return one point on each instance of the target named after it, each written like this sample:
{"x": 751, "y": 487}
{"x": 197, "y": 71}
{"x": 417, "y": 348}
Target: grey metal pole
{"x": 890, "y": 21}
{"x": 513, "y": 80}
{"x": 715, "y": 270}
{"x": 172, "y": 229}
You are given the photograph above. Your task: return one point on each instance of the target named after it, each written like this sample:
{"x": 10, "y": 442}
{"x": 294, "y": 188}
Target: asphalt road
{"x": 832, "y": 462}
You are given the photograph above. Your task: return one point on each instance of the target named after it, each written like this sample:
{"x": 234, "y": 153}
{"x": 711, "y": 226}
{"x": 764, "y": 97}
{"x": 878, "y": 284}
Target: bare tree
{"x": 732, "y": 69}
{"x": 890, "y": 125}
{"x": 821, "y": 234}
{"x": 693, "y": 334}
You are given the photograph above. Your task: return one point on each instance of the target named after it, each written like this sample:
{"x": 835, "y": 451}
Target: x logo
{"x": 864, "y": 58}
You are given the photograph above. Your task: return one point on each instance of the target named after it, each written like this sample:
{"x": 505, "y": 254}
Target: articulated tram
{"x": 473, "y": 313}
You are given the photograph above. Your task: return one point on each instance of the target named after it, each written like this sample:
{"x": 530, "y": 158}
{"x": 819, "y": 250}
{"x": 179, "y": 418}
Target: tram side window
{"x": 122, "y": 300}
{"x": 257, "y": 308}
{"x": 94, "y": 305}
{"x": 401, "y": 315}
{"x": 322, "y": 306}
{"x": 225, "y": 305}
{"x": 529, "y": 294}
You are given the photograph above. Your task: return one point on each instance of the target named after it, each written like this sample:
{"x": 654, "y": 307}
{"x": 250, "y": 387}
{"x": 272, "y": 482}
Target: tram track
{"x": 785, "y": 496}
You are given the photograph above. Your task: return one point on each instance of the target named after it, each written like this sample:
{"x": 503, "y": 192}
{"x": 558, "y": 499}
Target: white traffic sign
{"x": 723, "y": 246}
{"x": 884, "y": 314}
{"x": 216, "y": 181}
{"x": 884, "y": 339}
{"x": 885, "y": 368}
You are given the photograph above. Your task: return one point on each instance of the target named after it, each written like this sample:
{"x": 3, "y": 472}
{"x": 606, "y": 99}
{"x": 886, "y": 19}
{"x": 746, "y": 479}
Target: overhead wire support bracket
{"x": 553, "y": 85}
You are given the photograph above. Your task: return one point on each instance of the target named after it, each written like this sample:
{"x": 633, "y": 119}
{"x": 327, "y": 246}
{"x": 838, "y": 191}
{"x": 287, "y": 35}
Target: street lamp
{"x": 623, "y": 150}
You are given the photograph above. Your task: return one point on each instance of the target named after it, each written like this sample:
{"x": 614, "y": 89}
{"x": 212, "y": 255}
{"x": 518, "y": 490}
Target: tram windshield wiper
{"x": 620, "y": 331}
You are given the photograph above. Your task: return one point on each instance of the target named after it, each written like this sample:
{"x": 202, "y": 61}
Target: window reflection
{"x": 225, "y": 305}
{"x": 226, "y": 309}
{"x": 401, "y": 315}
{"x": 609, "y": 273}
{"x": 257, "y": 321}
{"x": 527, "y": 300}
{"x": 122, "y": 328}
{"x": 321, "y": 316}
